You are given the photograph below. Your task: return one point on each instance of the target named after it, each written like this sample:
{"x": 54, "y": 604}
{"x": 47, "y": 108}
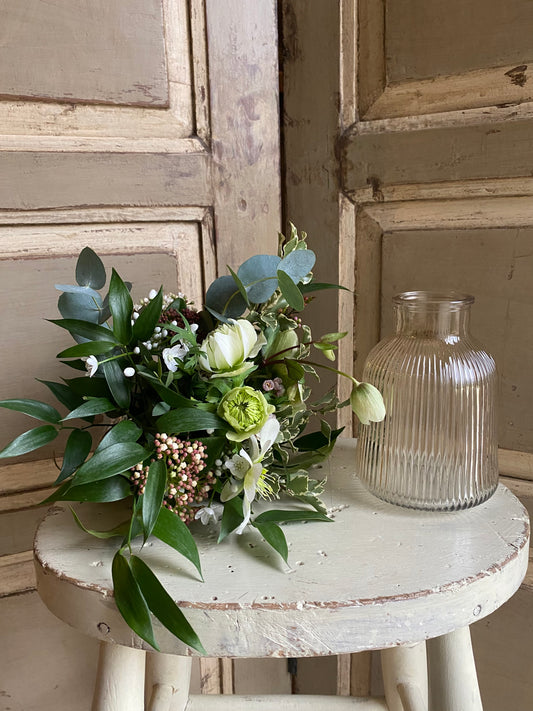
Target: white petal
{"x": 248, "y": 335}
{"x": 268, "y": 434}
{"x": 254, "y": 449}
{"x": 246, "y": 511}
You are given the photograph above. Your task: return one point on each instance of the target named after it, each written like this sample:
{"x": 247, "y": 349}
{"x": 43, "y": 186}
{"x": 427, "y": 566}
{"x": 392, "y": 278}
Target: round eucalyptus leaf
{"x": 224, "y": 297}
{"x": 79, "y": 305}
{"x": 259, "y": 276}
{"x": 298, "y": 264}
{"x": 90, "y": 270}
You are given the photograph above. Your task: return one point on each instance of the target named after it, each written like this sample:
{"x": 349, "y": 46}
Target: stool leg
{"x": 453, "y": 684}
{"x": 405, "y": 677}
{"x": 119, "y": 679}
{"x": 169, "y": 678}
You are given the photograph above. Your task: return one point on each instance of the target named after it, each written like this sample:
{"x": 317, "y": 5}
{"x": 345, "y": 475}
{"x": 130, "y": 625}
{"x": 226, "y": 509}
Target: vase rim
{"x": 451, "y": 298}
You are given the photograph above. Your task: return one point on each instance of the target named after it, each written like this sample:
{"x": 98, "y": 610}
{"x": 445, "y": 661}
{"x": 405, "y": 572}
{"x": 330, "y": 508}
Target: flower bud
{"x": 367, "y": 403}
{"x": 227, "y": 347}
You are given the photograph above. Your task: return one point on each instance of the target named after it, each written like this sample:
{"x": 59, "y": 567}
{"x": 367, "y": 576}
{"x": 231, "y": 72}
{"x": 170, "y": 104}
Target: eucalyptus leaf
{"x": 112, "y": 460}
{"x": 163, "y": 606}
{"x": 273, "y": 535}
{"x": 94, "y": 406}
{"x": 76, "y": 452}
{"x": 154, "y": 492}
{"x": 290, "y": 291}
{"x": 224, "y": 297}
{"x": 186, "y": 419}
{"x": 84, "y": 305}
{"x": 117, "y": 382}
{"x": 75, "y": 289}
{"x": 148, "y": 319}
{"x": 90, "y": 270}
{"x": 258, "y": 274}
{"x": 170, "y": 529}
{"x": 298, "y": 264}
{"x": 278, "y": 515}
{"x": 33, "y": 408}
{"x": 130, "y": 600}
{"x": 121, "y": 306}
{"x": 232, "y": 517}
{"x": 88, "y": 348}
{"x": 29, "y": 441}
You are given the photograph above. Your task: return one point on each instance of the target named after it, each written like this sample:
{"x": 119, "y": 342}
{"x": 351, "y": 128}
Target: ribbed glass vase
{"x": 436, "y": 449}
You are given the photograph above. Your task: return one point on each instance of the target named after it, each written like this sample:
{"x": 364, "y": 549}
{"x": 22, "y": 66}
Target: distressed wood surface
{"x": 350, "y": 585}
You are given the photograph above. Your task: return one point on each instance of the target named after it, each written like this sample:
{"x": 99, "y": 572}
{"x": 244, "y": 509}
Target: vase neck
{"x": 431, "y": 314}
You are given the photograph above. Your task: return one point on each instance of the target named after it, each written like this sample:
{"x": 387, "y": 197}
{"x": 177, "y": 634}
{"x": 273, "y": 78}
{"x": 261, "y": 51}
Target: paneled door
{"x": 148, "y": 130}
{"x": 409, "y": 158}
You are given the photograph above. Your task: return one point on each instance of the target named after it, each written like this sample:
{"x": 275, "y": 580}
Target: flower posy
{"x": 197, "y": 411}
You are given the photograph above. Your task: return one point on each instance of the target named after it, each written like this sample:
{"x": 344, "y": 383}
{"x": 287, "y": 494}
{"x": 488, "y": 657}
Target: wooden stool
{"x": 379, "y": 577}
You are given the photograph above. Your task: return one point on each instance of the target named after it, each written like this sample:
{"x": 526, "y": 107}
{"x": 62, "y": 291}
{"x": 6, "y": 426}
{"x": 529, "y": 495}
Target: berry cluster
{"x": 188, "y": 482}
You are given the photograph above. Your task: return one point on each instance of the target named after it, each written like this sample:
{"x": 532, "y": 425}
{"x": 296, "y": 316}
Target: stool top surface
{"x": 378, "y": 576}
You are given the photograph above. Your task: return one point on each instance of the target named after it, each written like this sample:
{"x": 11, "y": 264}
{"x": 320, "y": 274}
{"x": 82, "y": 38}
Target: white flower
{"x": 246, "y": 469}
{"x": 129, "y": 372}
{"x": 227, "y": 347}
{"x": 91, "y": 364}
{"x": 206, "y": 514}
{"x": 176, "y": 353}
{"x": 152, "y": 294}
{"x": 367, "y": 403}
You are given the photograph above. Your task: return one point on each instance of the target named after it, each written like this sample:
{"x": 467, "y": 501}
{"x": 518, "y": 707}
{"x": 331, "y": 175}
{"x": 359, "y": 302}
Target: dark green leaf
{"x": 92, "y": 331}
{"x": 33, "y": 408}
{"x": 112, "y": 460}
{"x": 258, "y": 274}
{"x": 290, "y": 291}
{"x": 298, "y": 264}
{"x": 154, "y": 492}
{"x": 215, "y": 446}
{"x": 224, "y": 297}
{"x": 90, "y": 270}
{"x": 148, "y": 319}
{"x": 76, "y": 452}
{"x": 240, "y": 286}
{"x": 273, "y": 535}
{"x": 89, "y": 387}
{"x": 320, "y": 286}
{"x": 123, "y": 431}
{"x": 186, "y": 419}
{"x": 115, "y": 488}
{"x": 163, "y": 606}
{"x": 315, "y": 440}
{"x": 121, "y": 305}
{"x": 169, "y": 396}
{"x": 277, "y": 515}
{"x": 29, "y": 441}
{"x": 87, "y": 349}
{"x": 117, "y": 382}
{"x": 130, "y": 600}
{"x": 77, "y": 364}
{"x": 63, "y": 393}
{"x": 86, "y": 306}
{"x": 119, "y": 530}
{"x": 170, "y": 529}
{"x": 95, "y": 406}
{"x": 231, "y": 518}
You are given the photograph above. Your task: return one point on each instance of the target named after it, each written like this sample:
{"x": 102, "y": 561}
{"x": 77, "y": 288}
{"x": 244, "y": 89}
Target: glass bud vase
{"x": 436, "y": 449}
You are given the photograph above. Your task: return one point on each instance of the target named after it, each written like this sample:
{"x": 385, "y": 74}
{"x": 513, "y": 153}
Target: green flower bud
{"x": 285, "y": 342}
{"x": 367, "y": 403}
{"x": 245, "y": 410}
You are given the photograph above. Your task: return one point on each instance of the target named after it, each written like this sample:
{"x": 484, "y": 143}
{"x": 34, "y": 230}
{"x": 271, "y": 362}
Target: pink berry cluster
{"x": 275, "y": 385}
{"x": 188, "y": 482}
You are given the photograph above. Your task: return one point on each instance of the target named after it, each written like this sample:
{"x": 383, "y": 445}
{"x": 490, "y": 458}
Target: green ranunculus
{"x": 245, "y": 410}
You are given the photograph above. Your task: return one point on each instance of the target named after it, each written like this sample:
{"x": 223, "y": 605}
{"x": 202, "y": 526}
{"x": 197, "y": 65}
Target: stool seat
{"x": 377, "y": 577}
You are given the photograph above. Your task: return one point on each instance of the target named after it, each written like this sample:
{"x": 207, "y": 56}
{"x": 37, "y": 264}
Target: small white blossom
{"x": 129, "y": 372}
{"x": 152, "y": 294}
{"x": 176, "y": 353}
{"x": 91, "y": 364}
{"x": 194, "y": 327}
{"x": 136, "y": 350}
{"x": 206, "y": 514}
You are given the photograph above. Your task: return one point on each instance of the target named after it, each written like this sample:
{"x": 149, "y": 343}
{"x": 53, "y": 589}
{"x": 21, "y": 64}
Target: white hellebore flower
{"x": 246, "y": 469}
{"x": 176, "y": 353}
{"x": 367, "y": 403}
{"x": 91, "y": 364}
{"x": 226, "y": 349}
{"x": 206, "y": 514}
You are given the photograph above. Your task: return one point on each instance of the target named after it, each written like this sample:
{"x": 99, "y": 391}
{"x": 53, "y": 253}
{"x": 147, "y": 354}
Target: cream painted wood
{"x": 453, "y": 684}
{"x": 283, "y": 702}
{"x": 168, "y": 677}
{"x": 405, "y": 678}
{"x": 119, "y": 679}
{"x": 378, "y": 602}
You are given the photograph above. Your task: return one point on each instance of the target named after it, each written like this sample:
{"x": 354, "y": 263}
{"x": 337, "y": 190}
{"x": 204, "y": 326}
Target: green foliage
{"x": 130, "y": 600}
